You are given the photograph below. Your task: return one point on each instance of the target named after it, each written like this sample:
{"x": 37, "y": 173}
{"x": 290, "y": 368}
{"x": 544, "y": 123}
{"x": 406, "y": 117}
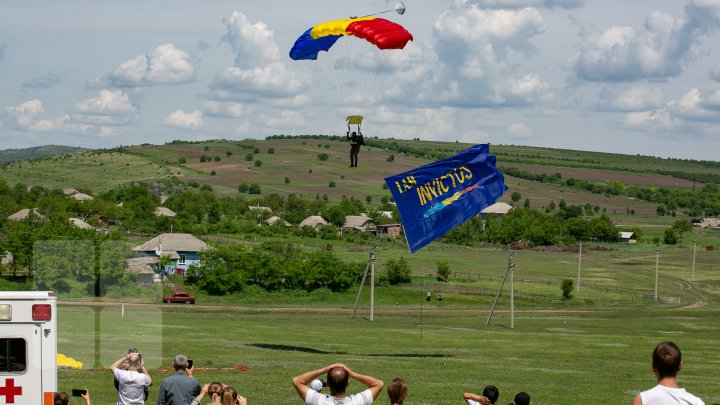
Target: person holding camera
{"x": 62, "y": 398}
{"x": 180, "y": 388}
{"x": 133, "y": 381}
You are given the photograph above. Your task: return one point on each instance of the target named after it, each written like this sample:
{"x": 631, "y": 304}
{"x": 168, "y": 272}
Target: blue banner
{"x": 436, "y": 198}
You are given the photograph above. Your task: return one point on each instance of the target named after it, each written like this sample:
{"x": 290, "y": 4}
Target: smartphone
{"x": 78, "y": 393}
{"x": 190, "y": 363}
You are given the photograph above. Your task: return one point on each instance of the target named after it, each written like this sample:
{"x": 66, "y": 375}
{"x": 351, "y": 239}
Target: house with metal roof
{"x": 183, "y": 249}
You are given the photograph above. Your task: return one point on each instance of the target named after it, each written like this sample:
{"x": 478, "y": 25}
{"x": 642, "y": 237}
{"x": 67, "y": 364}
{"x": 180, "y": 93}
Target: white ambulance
{"x": 28, "y": 347}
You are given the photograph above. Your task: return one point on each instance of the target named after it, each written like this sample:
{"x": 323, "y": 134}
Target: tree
{"x": 182, "y": 160}
{"x": 562, "y": 204}
{"x": 443, "y": 271}
{"x": 526, "y": 205}
{"x": 254, "y": 189}
{"x": 228, "y": 153}
{"x": 271, "y": 151}
{"x": 322, "y": 157}
{"x": 681, "y": 226}
{"x": 249, "y": 157}
{"x": 258, "y": 163}
{"x": 398, "y": 272}
{"x": 391, "y": 158}
{"x": 515, "y": 197}
{"x": 670, "y": 238}
{"x": 551, "y": 206}
{"x": 217, "y": 158}
{"x": 567, "y": 287}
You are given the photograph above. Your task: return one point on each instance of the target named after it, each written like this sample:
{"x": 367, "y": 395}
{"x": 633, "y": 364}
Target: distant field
{"x": 598, "y": 343}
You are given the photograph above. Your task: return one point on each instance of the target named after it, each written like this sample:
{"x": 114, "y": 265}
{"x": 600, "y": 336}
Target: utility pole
{"x": 657, "y": 267}
{"x": 579, "y": 266}
{"x": 694, "y": 251}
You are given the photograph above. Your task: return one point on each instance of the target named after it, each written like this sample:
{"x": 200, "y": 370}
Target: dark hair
{"x": 214, "y": 388}
{"x": 666, "y": 359}
{"x": 337, "y": 380}
{"x": 522, "y": 398}
{"x": 61, "y": 398}
{"x": 492, "y": 393}
{"x": 397, "y": 391}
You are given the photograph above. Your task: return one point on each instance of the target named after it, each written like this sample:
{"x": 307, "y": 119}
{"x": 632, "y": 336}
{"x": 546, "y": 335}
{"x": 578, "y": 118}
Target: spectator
{"x": 125, "y": 366}
{"x": 666, "y": 363}
{"x": 317, "y": 385}
{"x": 338, "y": 376}
{"x": 180, "y": 388}
{"x": 428, "y": 296}
{"x": 397, "y": 391}
{"x": 522, "y": 398}
{"x": 228, "y": 396}
{"x": 133, "y": 381}
{"x": 489, "y": 396}
{"x": 208, "y": 390}
{"x": 61, "y": 398}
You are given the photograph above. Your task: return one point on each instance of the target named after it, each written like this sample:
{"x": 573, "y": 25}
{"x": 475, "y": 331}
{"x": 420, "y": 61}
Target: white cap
{"x": 316, "y": 385}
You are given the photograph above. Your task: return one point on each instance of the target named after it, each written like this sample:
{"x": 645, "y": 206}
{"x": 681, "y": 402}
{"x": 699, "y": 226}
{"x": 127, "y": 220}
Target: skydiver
{"x": 356, "y": 140}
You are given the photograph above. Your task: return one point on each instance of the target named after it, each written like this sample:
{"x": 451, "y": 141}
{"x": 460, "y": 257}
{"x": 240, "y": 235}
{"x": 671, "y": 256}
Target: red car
{"x": 179, "y": 296}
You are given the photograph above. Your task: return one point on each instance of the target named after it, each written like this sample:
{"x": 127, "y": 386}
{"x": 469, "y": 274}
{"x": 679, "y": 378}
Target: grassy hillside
{"x": 11, "y": 155}
{"x": 319, "y": 167}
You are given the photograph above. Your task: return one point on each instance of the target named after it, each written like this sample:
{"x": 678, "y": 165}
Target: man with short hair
{"x": 522, "y": 398}
{"x": 489, "y": 396}
{"x": 666, "y": 363}
{"x": 180, "y": 388}
{"x": 62, "y": 398}
{"x": 338, "y": 379}
{"x": 133, "y": 381}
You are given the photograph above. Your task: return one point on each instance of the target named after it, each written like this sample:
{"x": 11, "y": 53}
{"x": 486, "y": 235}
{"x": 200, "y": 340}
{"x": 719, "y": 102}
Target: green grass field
{"x": 594, "y": 348}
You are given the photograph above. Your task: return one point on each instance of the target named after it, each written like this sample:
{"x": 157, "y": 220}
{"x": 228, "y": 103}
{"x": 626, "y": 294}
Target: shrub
{"x": 443, "y": 271}
{"x": 391, "y": 157}
{"x": 287, "y": 180}
{"x": 254, "y": 189}
{"x": 243, "y": 188}
{"x": 256, "y": 150}
{"x": 322, "y": 157}
{"x": 228, "y": 153}
{"x": 567, "y": 287}
{"x": 212, "y": 173}
{"x": 249, "y": 157}
{"x": 182, "y": 160}
{"x": 271, "y": 151}
{"x": 217, "y": 158}
{"x": 258, "y": 163}
{"x": 331, "y": 184}
{"x": 398, "y": 272}
{"x": 206, "y": 148}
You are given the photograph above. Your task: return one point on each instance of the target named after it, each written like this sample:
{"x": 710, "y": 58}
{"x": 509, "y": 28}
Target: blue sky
{"x": 632, "y": 76}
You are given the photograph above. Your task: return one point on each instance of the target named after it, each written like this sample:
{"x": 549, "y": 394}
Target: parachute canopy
{"x": 382, "y": 33}
{"x": 354, "y": 119}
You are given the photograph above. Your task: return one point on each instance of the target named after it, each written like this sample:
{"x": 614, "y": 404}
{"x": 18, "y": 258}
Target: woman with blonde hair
{"x": 228, "y": 396}
{"x": 397, "y": 391}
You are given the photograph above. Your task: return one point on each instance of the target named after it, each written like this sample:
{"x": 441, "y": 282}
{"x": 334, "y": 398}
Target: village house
{"x": 164, "y": 212}
{"x": 25, "y": 214}
{"x": 183, "y": 249}
{"x": 627, "y": 237}
{"x": 82, "y": 197}
{"x": 358, "y": 223}
{"x": 389, "y": 230}
{"x": 276, "y": 219}
{"x": 80, "y": 224}
{"x": 313, "y": 221}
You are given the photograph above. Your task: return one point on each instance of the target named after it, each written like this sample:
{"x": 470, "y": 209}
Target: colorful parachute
{"x": 382, "y": 33}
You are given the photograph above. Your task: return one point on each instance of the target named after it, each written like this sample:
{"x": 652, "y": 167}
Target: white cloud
{"x": 228, "y": 109}
{"x": 637, "y": 98}
{"x": 111, "y": 107}
{"x": 166, "y": 64}
{"x": 651, "y": 120}
{"x": 285, "y": 120}
{"x": 181, "y": 119}
{"x": 273, "y": 80}
{"x": 23, "y": 115}
{"x": 253, "y": 43}
{"x": 693, "y": 112}
{"x": 526, "y": 3}
{"x": 477, "y": 50}
{"x": 657, "y": 50}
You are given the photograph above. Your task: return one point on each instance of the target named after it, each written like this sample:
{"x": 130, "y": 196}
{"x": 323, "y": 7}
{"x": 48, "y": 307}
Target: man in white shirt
{"x": 666, "y": 363}
{"x": 132, "y": 382}
{"x": 338, "y": 379}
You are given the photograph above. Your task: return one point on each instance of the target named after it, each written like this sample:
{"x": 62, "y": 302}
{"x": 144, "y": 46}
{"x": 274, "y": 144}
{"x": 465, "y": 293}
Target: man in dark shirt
{"x": 180, "y": 388}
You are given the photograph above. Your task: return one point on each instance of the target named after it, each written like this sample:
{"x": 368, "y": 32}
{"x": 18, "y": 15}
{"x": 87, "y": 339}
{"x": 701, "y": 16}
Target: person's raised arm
{"x": 347, "y": 134}
{"x": 477, "y": 398}
{"x": 202, "y": 394}
{"x": 373, "y": 384}
{"x": 117, "y": 363}
{"x": 637, "y": 400}
{"x": 86, "y": 397}
{"x": 301, "y": 382}
{"x": 145, "y": 371}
